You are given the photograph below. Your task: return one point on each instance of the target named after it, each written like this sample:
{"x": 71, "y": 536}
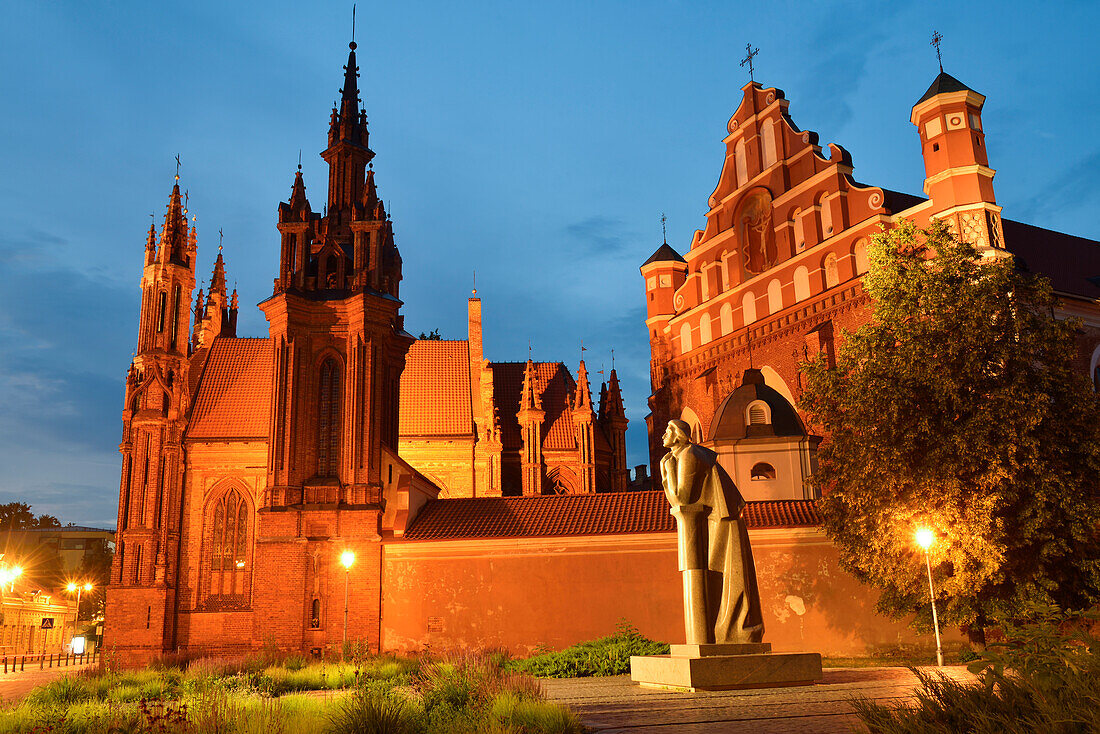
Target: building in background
{"x": 485, "y": 429}
{"x": 72, "y": 544}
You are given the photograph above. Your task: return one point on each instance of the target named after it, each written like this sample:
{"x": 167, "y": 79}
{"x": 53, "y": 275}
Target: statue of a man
{"x": 721, "y": 601}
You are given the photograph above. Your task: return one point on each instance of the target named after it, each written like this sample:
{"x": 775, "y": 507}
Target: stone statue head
{"x": 678, "y": 433}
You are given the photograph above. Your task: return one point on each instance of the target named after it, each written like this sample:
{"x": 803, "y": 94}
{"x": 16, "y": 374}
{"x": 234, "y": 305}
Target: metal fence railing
{"x": 19, "y": 663}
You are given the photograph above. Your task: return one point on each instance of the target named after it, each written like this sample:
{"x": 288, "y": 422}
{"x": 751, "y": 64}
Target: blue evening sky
{"x": 537, "y": 143}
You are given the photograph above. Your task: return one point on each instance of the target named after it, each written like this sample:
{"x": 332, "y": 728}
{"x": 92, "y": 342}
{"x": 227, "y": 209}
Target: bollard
{"x": 23, "y": 664}
{"x": 42, "y": 661}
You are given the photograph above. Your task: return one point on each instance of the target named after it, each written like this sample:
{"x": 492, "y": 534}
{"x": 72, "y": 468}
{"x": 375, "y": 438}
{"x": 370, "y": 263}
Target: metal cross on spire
{"x": 936, "y": 39}
{"x": 186, "y": 199}
{"x": 664, "y": 231}
{"x": 177, "y": 166}
{"x": 219, "y": 239}
{"x": 750, "y": 52}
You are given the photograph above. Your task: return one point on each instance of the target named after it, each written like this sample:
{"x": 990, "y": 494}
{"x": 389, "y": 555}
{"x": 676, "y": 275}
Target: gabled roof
{"x": 943, "y": 84}
{"x": 435, "y": 390}
{"x": 1072, "y": 263}
{"x": 234, "y": 395}
{"x": 664, "y": 253}
{"x": 555, "y": 385}
{"x": 610, "y": 513}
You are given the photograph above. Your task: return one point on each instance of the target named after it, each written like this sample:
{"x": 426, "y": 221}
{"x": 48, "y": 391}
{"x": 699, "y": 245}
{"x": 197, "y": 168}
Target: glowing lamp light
{"x": 16, "y": 572}
{"x": 71, "y": 587}
{"x": 88, "y": 587}
{"x": 925, "y": 537}
{"x": 347, "y": 558}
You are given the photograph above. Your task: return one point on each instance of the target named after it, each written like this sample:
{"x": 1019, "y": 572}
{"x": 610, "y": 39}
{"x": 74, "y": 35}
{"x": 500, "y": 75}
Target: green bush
{"x": 1045, "y": 677}
{"x": 60, "y": 692}
{"x": 605, "y": 656}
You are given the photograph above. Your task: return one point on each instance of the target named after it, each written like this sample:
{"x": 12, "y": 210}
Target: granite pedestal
{"x": 725, "y": 667}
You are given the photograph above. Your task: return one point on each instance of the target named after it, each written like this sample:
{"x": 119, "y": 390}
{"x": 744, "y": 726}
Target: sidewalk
{"x": 617, "y": 706}
{"x": 14, "y": 686}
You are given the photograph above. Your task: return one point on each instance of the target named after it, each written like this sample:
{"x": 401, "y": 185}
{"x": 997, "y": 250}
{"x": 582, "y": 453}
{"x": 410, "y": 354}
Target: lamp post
{"x": 924, "y": 540}
{"x": 78, "y": 588}
{"x": 346, "y": 559}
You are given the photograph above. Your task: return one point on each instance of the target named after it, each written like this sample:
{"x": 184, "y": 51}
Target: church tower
{"x": 958, "y": 178}
{"x": 340, "y": 343}
{"x": 339, "y": 348}
{"x": 613, "y": 419}
{"x": 144, "y": 574}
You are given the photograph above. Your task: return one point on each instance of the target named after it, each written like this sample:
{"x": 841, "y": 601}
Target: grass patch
{"x": 458, "y": 694}
{"x": 1045, "y": 677}
{"x": 605, "y": 656}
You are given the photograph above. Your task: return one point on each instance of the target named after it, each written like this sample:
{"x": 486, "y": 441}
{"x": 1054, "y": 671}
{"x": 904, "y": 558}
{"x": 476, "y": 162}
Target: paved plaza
{"x": 617, "y": 706}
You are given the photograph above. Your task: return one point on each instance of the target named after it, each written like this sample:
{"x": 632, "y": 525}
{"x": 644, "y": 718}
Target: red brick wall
{"x": 520, "y": 594}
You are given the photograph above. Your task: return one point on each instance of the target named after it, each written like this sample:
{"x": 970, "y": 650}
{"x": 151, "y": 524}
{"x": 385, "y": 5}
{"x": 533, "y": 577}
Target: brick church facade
{"x": 775, "y": 276}
{"x": 484, "y": 501}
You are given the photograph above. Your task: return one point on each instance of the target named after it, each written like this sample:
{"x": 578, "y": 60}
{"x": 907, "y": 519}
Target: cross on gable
{"x": 750, "y": 52}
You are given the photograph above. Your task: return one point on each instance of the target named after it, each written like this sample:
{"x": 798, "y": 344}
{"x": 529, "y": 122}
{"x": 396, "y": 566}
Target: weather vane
{"x": 664, "y": 232}
{"x": 177, "y": 166}
{"x": 749, "y": 53}
{"x": 936, "y": 39}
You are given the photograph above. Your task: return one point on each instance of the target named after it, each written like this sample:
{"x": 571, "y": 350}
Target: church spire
{"x": 347, "y": 154}
{"x": 582, "y": 398}
{"x": 349, "y": 94}
{"x": 174, "y": 235}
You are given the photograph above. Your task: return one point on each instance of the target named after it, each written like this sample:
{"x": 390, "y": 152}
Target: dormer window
{"x": 762, "y": 472}
{"x": 759, "y": 415}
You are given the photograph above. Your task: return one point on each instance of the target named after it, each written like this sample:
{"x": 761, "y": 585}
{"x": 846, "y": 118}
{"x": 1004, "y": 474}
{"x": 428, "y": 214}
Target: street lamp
{"x": 78, "y": 588}
{"x": 346, "y": 559}
{"x": 924, "y": 539}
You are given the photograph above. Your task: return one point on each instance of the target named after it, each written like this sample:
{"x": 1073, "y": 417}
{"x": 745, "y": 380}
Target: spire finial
{"x": 299, "y": 159}
{"x": 186, "y": 199}
{"x": 583, "y": 350}
{"x": 664, "y": 232}
{"x": 177, "y": 166}
{"x": 353, "y": 26}
{"x": 612, "y": 357}
{"x": 937, "y": 38}
{"x": 475, "y": 283}
{"x": 219, "y": 239}
{"x": 749, "y": 53}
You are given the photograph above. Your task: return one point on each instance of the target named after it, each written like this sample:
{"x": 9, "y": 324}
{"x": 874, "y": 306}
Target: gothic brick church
{"x": 247, "y": 460}
{"x": 775, "y": 275}
{"x": 484, "y": 501}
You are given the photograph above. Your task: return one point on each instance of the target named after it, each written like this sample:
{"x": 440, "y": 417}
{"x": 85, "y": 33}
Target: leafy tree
{"x": 16, "y": 516}
{"x": 958, "y": 408}
{"x": 432, "y": 335}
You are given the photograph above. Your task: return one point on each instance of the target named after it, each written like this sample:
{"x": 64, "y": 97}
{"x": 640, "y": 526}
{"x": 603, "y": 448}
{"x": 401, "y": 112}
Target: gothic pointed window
{"x": 328, "y": 433}
{"x": 229, "y": 548}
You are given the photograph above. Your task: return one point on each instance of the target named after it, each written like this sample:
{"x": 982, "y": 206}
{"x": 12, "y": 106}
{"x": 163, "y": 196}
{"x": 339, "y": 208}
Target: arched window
{"x": 315, "y": 614}
{"x": 748, "y": 308}
{"x": 863, "y": 263}
{"x": 771, "y": 154}
{"x": 801, "y": 283}
{"x": 229, "y": 547}
{"x": 725, "y": 318}
{"x": 741, "y": 162}
{"x": 685, "y": 338}
{"x": 832, "y": 275}
{"x": 762, "y": 471}
{"x": 328, "y": 433}
{"x": 775, "y": 296}
{"x": 704, "y": 329}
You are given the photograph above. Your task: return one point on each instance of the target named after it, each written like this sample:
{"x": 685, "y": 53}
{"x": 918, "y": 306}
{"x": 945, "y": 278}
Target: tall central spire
{"x": 347, "y": 154}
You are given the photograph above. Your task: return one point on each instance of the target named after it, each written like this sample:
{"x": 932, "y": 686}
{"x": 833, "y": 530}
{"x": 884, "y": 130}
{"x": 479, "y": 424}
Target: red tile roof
{"x": 555, "y": 385}
{"x": 435, "y": 390}
{"x": 580, "y": 514}
{"x": 234, "y": 394}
